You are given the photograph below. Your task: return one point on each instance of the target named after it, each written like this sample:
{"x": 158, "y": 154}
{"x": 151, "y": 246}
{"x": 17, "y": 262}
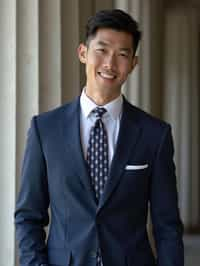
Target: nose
{"x": 110, "y": 62}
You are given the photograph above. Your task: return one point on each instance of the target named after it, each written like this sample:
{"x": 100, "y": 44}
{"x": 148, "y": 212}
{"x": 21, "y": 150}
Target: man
{"x": 98, "y": 163}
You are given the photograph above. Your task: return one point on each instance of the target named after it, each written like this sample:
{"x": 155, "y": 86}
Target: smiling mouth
{"x": 107, "y": 76}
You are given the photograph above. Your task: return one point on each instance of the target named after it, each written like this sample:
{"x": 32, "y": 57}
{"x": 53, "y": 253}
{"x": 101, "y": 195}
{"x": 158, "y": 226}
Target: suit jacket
{"x": 55, "y": 175}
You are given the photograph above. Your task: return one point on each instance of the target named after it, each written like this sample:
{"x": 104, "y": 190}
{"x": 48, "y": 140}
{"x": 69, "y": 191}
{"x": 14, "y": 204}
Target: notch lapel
{"x": 73, "y": 146}
{"x": 128, "y": 137}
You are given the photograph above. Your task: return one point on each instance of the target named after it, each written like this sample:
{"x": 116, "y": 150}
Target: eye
{"x": 123, "y": 55}
{"x": 100, "y": 50}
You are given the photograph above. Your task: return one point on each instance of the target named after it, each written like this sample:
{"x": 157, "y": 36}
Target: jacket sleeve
{"x": 167, "y": 226}
{"x": 31, "y": 215}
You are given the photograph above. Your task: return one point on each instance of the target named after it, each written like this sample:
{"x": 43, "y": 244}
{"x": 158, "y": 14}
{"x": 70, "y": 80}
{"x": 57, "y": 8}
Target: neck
{"x": 101, "y": 99}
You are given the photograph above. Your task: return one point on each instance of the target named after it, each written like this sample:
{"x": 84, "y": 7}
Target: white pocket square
{"x": 136, "y": 167}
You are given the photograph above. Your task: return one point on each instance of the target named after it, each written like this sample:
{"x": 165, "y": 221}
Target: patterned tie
{"x": 97, "y": 158}
{"x": 97, "y": 154}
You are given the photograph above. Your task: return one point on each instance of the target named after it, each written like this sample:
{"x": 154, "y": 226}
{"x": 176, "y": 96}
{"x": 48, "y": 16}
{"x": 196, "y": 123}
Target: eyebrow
{"x": 128, "y": 50}
{"x": 102, "y": 43}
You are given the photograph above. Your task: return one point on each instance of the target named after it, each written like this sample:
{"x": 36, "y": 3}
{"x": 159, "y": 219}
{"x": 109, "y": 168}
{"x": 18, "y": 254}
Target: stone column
{"x": 151, "y": 56}
{"x": 185, "y": 119}
{"x": 145, "y": 57}
{"x": 27, "y": 62}
{"x": 86, "y": 9}
{"x": 134, "y": 82}
{"x": 49, "y": 54}
{"x": 157, "y": 51}
{"x": 181, "y": 105}
{"x": 27, "y": 75}
{"x": 69, "y": 44}
{"x": 8, "y": 132}
{"x": 103, "y": 4}
{"x": 195, "y": 121}
{"x": 171, "y": 91}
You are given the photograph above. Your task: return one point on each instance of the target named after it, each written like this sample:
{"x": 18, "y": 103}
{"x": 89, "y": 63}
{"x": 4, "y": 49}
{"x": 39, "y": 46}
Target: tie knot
{"x": 99, "y": 112}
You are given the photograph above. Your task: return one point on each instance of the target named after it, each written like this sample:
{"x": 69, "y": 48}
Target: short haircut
{"x": 115, "y": 19}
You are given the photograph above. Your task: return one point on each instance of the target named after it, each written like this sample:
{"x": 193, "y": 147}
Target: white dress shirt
{"x": 111, "y": 120}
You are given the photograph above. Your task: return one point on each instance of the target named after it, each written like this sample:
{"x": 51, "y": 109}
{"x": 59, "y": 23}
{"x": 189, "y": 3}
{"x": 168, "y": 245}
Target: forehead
{"x": 110, "y": 37}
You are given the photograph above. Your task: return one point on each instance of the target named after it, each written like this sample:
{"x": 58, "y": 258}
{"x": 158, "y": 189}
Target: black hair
{"x": 115, "y": 19}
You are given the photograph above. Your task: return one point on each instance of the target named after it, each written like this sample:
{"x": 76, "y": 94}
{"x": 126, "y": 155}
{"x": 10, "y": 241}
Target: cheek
{"x": 124, "y": 73}
{"x": 126, "y": 69}
{"x": 92, "y": 66}
{"x": 90, "y": 72}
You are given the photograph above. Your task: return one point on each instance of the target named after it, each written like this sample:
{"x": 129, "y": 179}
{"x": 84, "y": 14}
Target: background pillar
{"x": 8, "y": 130}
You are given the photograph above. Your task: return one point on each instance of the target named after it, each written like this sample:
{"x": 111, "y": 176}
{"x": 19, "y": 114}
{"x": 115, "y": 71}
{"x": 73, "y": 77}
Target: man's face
{"x": 109, "y": 58}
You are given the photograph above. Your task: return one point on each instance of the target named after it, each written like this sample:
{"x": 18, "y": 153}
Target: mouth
{"x": 109, "y": 76}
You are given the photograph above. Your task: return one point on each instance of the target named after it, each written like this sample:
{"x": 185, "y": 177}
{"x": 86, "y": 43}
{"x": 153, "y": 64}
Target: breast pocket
{"x": 136, "y": 182}
{"x": 134, "y": 173}
{"x": 136, "y": 167}
{"x": 141, "y": 169}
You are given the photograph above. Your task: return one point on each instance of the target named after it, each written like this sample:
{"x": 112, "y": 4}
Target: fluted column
{"x": 30, "y": 82}
{"x": 27, "y": 62}
{"x": 145, "y": 57}
{"x": 157, "y": 51}
{"x": 186, "y": 120}
{"x": 50, "y": 94}
{"x": 7, "y": 132}
{"x": 195, "y": 70}
{"x": 134, "y": 81}
{"x": 70, "y": 41}
{"x": 27, "y": 75}
{"x": 103, "y": 4}
{"x": 181, "y": 105}
{"x": 171, "y": 91}
{"x": 151, "y": 56}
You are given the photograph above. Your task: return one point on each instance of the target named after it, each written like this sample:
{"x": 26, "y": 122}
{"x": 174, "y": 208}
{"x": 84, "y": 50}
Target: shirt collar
{"x": 114, "y": 108}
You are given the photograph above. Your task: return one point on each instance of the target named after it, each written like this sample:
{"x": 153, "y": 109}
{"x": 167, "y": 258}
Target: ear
{"x": 82, "y": 52}
{"x": 134, "y": 62}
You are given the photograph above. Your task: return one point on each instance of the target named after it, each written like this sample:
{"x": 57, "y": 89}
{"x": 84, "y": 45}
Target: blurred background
{"x": 39, "y": 70}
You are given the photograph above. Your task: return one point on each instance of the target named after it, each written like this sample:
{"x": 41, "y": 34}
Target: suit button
{"x": 93, "y": 254}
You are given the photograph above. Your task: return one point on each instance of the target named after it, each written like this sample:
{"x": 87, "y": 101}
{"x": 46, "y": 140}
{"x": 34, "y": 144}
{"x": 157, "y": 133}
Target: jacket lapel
{"x": 73, "y": 146}
{"x": 128, "y": 136}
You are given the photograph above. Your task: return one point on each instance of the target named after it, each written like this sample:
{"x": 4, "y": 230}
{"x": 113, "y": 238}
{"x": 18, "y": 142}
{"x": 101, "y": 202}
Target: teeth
{"x": 107, "y": 76}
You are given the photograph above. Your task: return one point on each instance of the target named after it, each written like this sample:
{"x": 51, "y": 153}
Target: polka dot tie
{"x": 97, "y": 158}
{"x": 97, "y": 153}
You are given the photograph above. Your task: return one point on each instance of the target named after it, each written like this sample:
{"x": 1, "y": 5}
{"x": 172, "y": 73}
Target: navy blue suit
{"x": 55, "y": 174}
